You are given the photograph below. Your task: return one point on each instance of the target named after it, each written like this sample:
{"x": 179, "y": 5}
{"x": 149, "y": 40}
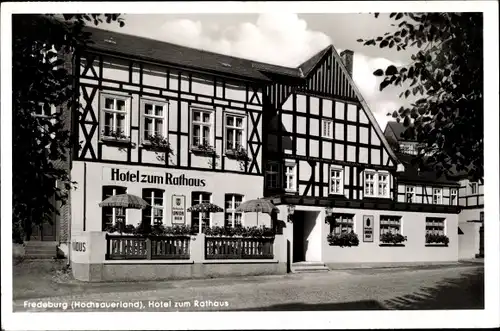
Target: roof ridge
{"x": 196, "y": 49}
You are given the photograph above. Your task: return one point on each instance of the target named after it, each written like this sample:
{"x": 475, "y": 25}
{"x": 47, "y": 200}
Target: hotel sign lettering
{"x": 162, "y": 179}
{"x": 178, "y": 209}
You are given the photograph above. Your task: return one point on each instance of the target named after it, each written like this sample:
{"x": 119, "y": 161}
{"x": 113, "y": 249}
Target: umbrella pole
{"x": 257, "y": 218}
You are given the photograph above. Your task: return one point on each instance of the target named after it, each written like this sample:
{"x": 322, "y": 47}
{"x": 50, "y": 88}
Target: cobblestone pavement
{"x": 458, "y": 287}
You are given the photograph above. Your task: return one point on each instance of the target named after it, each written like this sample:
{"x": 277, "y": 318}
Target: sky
{"x": 284, "y": 39}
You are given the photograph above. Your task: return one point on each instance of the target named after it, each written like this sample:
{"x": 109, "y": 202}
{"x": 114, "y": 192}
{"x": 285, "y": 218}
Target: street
{"x": 446, "y": 287}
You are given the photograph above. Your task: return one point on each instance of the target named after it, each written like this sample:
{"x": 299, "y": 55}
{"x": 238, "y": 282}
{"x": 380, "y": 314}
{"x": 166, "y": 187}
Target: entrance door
{"x": 481, "y": 241}
{"x": 46, "y": 231}
{"x": 298, "y": 237}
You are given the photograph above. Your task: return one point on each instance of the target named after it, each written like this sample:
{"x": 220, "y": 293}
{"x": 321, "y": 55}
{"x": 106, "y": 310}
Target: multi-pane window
{"x": 453, "y": 196}
{"x": 234, "y": 131}
{"x": 473, "y": 188}
{"x": 410, "y": 194}
{"x": 369, "y": 184}
{"x": 407, "y": 148}
{"x": 110, "y": 215}
{"x": 290, "y": 177}
{"x": 390, "y": 224}
{"x": 115, "y": 114}
{"x": 202, "y": 127}
{"x": 200, "y": 217}
{"x": 154, "y": 119}
{"x": 327, "y": 128}
{"x": 383, "y": 185}
{"x": 231, "y": 217}
{"x": 272, "y": 175}
{"x": 342, "y": 223}
{"x": 336, "y": 181}
{"x": 437, "y": 196}
{"x": 434, "y": 225}
{"x": 153, "y": 214}
{"x": 376, "y": 184}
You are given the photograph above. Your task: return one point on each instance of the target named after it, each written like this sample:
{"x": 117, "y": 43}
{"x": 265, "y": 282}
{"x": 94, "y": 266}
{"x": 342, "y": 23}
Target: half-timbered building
{"x": 179, "y": 126}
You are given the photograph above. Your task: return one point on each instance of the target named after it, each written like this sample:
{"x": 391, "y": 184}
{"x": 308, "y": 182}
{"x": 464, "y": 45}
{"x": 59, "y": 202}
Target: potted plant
{"x": 344, "y": 239}
{"x": 436, "y": 239}
{"x": 203, "y": 148}
{"x": 240, "y": 154}
{"x": 393, "y": 239}
{"x": 160, "y": 145}
{"x": 117, "y": 135}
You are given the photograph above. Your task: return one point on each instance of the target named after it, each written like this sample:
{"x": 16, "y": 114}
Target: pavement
{"x": 458, "y": 286}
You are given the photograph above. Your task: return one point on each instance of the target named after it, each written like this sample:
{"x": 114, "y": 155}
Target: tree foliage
{"x": 41, "y": 80}
{"x": 446, "y": 79}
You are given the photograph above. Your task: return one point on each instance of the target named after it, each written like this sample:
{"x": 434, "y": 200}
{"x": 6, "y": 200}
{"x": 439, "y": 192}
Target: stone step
{"x": 302, "y": 267}
{"x": 39, "y": 256}
{"x": 308, "y": 264}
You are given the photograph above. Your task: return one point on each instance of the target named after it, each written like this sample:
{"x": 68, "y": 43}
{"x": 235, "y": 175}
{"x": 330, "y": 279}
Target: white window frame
{"x": 474, "y": 186}
{"x": 453, "y": 193}
{"x": 235, "y": 129}
{"x": 290, "y": 174}
{"x": 273, "y": 173}
{"x": 103, "y": 111}
{"x": 328, "y": 125}
{"x": 165, "y": 104}
{"x": 199, "y": 199}
{"x": 343, "y": 218}
{"x": 386, "y": 181}
{"x": 113, "y": 209}
{"x": 410, "y": 189}
{"x": 375, "y": 183}
{"x": 340, "y": 178}
{"x": 161, "y": 207}
{"x": 232, "y": 211}
{"x": 428, "y": 219}
{"x": 436, "y": 190}
{"x": 386, "y": 222}
{"x": 211, "y": 133}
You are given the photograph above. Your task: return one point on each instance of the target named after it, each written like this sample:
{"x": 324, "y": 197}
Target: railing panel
{"x": 123, "y": 247}
{"x": 229, "y": 248}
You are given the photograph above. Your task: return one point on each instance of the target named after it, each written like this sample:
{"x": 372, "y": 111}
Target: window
{"x": 154, "y": 214}
{"x": 434, "y": 226}
{"x": 231, "y": 217}
{"x": 328, "y": 129}
{"x": 290, "y": 177}
{"x": 383, "y": 185}
{"x": 43, "y": 110}
{"x": 114, "y": 116}
{"x": 410, "y": 194}
{"x": 390, "y": 224}
{"x": 343, "y": 223}
{"x": 407, "y": 148}
{"x": 110, "y": 215}
{"x": 272, "y": 175}
{"x": 473, "y": 188}
{"x": 453, "y": 196}
{"x": 376, "y": 184}
{"x": 200, "y": 217}
{"x": 154, "y": 119}
{"x": 202, "y": 127}
{"x": 234, "y": 132}
{"x": 481, "y": 216}
{"x": 437, "y": 196}
{"x": 336, "y": 181}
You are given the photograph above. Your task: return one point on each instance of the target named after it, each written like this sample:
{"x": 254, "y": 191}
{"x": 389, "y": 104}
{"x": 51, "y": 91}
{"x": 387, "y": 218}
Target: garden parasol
{"x": 205, "y": 207}
{"x": 124, "y": 201}
{"x": 256, "y": 206}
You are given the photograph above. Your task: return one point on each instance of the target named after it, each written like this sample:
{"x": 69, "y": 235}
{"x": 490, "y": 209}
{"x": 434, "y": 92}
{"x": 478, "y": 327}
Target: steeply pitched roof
{"x": 412, "y": 174}
{"x": 398, "y": 129}
{"x": 168, "y": 53}
{"x": 310, "y": 64}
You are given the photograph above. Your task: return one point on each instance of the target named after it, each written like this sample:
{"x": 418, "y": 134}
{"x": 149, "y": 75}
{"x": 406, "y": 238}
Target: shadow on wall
{"x": 466, "y": 292}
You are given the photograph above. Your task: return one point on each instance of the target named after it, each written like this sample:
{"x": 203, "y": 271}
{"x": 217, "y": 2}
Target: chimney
{"x": 347, "y": 57}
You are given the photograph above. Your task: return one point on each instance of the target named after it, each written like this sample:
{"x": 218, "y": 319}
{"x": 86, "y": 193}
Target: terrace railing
{"x": 127, "y": 247}
{"x": 231, "y": 248}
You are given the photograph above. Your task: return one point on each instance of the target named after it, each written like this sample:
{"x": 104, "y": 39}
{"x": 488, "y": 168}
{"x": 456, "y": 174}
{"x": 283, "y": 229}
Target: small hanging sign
{"x": 368, "y": 221}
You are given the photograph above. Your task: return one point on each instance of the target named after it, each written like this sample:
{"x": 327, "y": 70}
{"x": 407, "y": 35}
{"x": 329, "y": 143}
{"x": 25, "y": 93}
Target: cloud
{"x": 282, "y": 39}
{"x": 265, "y": 40}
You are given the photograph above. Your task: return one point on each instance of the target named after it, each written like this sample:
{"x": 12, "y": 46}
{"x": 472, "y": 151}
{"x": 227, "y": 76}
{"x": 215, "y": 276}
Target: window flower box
{"x": 203, "y": 150}
{"x": 343, "y": 240}
{"x": 115, "y": 137}
{"x": 436, "y": 240}
{"x": 392, "y": 239}
{"x": 160, "y": 145}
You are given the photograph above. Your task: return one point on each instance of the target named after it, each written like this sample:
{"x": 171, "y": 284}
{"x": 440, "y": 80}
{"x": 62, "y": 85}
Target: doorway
{"x": 306, "y": 236}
